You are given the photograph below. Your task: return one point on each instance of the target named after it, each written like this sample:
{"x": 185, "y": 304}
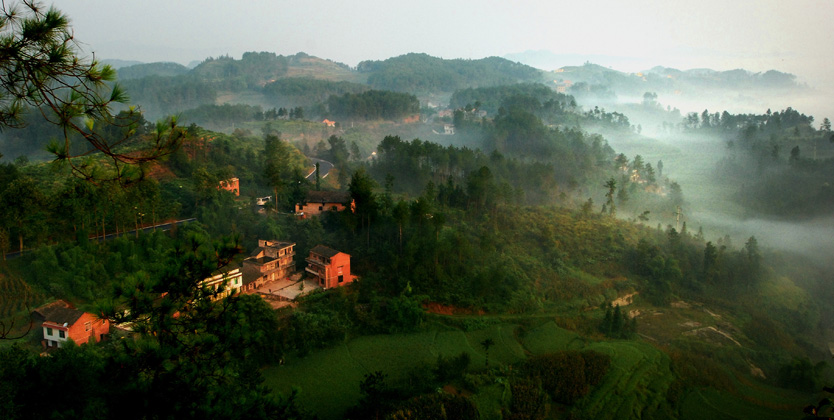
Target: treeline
{"x": 40, "y": 210}
{"x": 139, "y": 71}
{"x": 308, "y": 91}
{"x": 373, "y": 104}
{"x": 38, "y": 214}
{"x": 410, "y": 166}
{"x": 522, "y": 134}
{"x": 767, "y": 123}
{"x": 423, "y": 73}
{"x": 159, "y": 95}
{"x": 610, "y": 120}
{"x": 780, "y": 160}
{"x": 251, "y": 71}
{"x": 216, "y": 117}
{"x": 491, "y": 99}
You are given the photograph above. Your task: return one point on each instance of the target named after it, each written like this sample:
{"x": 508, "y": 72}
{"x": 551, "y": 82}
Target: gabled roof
{"x": 324, "y": 251}
{"x": 59, "y": 312}
{"x": 327, "y": 197}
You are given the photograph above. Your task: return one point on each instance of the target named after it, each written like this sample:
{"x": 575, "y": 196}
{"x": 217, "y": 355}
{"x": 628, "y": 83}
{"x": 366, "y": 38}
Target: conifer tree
{"x": 42, "y": 68}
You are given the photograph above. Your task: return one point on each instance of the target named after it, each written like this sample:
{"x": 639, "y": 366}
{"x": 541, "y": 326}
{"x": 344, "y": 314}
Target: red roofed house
{"x": 232, "y": 185}
{"x": 317, "y": 202}
{"x": 331, "y": 268}
{"x": 62, "y": 322}
{"x": 272, "y": 260}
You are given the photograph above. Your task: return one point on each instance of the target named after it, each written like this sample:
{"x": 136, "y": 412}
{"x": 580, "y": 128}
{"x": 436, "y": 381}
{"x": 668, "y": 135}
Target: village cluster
{"x": 269, "y": 271}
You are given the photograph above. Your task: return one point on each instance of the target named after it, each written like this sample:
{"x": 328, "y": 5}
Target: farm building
{"x": 330, "y": 268}
{"x": 62, "y": 322}
{"x": 317, "y": 202}
{"x": 271, "y": 260}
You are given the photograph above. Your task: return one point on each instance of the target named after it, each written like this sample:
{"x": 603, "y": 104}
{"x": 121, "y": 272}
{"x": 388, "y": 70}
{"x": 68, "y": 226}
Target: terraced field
{"x": 635, "y": 387}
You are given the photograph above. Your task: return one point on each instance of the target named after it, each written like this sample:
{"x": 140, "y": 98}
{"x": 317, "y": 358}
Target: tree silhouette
{"x": 486, "y": 344}
{"x": 611, "y": 184}
{"x": 41, "y": 68}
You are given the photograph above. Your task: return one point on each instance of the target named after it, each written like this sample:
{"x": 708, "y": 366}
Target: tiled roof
{"x": 324, "y": 251}
{"x": 327, "y": 197}
{"x": 59, "y": 312}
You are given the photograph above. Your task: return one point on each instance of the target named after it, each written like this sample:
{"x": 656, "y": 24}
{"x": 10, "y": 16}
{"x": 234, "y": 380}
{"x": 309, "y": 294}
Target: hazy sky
{"x": 795, "y": 36}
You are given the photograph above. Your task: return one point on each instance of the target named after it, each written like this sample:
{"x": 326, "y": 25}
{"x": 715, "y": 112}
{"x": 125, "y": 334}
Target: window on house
{"x": 321, "y": 208}
{"x": 88, "y": 326}
{"x": 62, "y": 334}
{"x": 48, "y": 331}
{"x": 341, "y": 279}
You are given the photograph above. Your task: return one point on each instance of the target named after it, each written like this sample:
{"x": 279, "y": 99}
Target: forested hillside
{"x": 422, "y": 73}
{"x": 510, "y": 261}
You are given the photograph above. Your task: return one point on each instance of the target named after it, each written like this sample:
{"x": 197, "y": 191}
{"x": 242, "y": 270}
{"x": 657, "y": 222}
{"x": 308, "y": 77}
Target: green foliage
{"x": 567, "y": 376}
{"x": 491, "y": 99}
{"x": 186, "y": 351}
{"x": 529, "y": 401}
{"x": 164, "y": 69}
{"x": 373, "y": 105}
{"x": 163, "y": 95}
{"x": 802, "y": 375}
{"x": 437, "y": 406}
{"x": 219, "y": 117}
{"x": 451, "y": 368}
{"x": 615, "y": 324}
{"x": 42, "y": 70}
{"x": 308, "y": 91}
{"x": 309, "y": 330}
{"x": 423, "y": 73}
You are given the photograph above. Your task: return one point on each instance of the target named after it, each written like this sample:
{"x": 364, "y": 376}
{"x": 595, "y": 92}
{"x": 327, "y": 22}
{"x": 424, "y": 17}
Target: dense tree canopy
{"x": 374, "y": 104}
{"x": 424, "y": 73}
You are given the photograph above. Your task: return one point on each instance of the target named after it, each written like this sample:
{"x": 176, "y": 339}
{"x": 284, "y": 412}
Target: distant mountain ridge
{"x": 269, "y": 80}
{"x": 665, "y": 79}
{"x": 599, "y": 70}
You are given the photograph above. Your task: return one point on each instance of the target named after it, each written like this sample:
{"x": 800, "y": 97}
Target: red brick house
{"x": 232, "y": 184}
{"x": 62, "y": 322}
{"x": 272, "y": 260}
{"x": 330, "y": 268}
{"x": 317, "y": 202}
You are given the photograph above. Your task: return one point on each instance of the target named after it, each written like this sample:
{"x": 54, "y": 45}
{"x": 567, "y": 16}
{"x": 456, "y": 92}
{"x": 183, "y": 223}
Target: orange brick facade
{"x": 85, "y": 329}
{"x": 314, "y": 209}
{"x": 330, "y": 267}
{"x": 318, "y": 202}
